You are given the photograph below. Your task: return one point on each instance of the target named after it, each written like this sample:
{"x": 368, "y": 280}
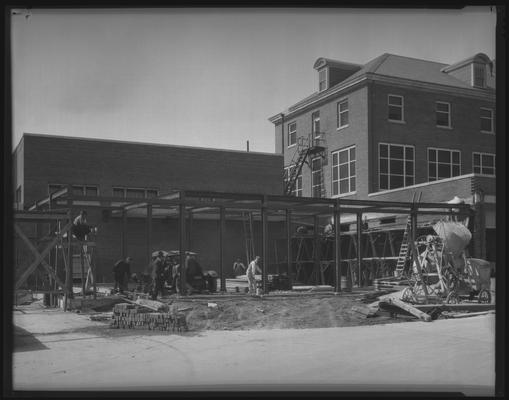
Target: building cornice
{"x": 373, "y": 77}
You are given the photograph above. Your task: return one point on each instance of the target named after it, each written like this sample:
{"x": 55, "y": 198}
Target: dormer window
{"x": 479, "y": 75}
{"x": 322, "y": 79}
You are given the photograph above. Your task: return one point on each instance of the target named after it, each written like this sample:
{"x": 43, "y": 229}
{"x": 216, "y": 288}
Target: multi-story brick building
{"x": 128, "y": 170}
{"x": 394, "y": 126}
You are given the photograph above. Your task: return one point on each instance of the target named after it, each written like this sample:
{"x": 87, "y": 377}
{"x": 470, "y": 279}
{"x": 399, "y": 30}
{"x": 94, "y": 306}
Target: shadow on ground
{"x": 26, "y": 341}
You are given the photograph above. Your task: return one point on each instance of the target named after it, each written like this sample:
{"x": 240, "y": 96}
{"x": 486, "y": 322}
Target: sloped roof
{"x": 395, "y": 66}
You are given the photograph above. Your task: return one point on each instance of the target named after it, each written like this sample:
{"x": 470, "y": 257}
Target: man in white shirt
{"x": 252, "y": 270}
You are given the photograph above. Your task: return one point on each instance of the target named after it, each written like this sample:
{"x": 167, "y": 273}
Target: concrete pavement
{"x": 68, "y": 352}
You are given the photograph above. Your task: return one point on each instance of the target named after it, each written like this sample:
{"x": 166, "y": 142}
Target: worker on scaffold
{"x": 80, "y": 228}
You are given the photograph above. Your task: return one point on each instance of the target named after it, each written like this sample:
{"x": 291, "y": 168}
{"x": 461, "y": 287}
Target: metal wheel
{"x": 484, "y": 296}
{"x": 452, "y": 298}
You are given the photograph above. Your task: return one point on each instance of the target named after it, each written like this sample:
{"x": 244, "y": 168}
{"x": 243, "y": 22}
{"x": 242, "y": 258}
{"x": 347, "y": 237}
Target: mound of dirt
{"x": 276, "y": 313}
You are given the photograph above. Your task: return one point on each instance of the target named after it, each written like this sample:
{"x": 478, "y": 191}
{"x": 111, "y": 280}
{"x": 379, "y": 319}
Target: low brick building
{"x": 115, "y": 169}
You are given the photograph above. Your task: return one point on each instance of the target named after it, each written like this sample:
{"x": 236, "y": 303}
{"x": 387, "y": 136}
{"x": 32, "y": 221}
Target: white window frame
{"x": 405, "y": 174}
{"x": 483, "y": 66}
{"x": 74, "y": 186}
{"x": 315, "y": 119}
{"x": 326, "y": 73}
{"x": 480, "y": 154}
{"x": 449, "y": 123}
{"x": 297, "y": 189}
{"x": 436, "y": 162}
{"x": 350, "y": 174}
{"x": 402, "y": 120}
{"x": 347, "y": 111}
{"x": 126, "y": 188}
{"x": 320, "y": 174}
{"x": 288, "y": 133}
{"x": 491, "y": 119}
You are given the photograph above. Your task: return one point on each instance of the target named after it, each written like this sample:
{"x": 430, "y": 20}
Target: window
{"x": 486, "y": 120}
{"x": 396, "y": 166}
{"x": 297, "y": 189}
{"x": 316, "y": 177}
{"x": 343, "y": 171}
{"x": 322, "y": 79}
{"x": 17, "y": 195}
{"x": 343, "y": 114}
{"x": 395, "y": 108}
{"x": 479, "y": 75}
{"x": 315, "y": 124}
{"x": 443, "y": 114}
{"x": 292, "y": 134}
{"x": 77, "y": 190}
{"x": 484, "y": 163}
{"x": 134, "y": 193}
{"x": 443, "y": 163}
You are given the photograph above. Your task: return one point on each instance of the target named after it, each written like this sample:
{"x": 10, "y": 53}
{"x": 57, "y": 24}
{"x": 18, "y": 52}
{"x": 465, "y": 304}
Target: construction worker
{"x": 238, "y": 267}
{"x": 252, "y": 270}
{"x": 122, "y": 272}
{"x": 80, "y": 227}
{"x": 158, "y": 276}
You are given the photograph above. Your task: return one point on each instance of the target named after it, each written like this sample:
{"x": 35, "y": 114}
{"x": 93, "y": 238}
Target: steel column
{"x": 359, "y": 247}
{"x": 265, "y": 252}
{"x": 149, "y": 232}
{"x": 221, "y": 247}
{"x": 289, "y": 243}
{"x": 337, "y": 248}
{"x": 182, "y": 247}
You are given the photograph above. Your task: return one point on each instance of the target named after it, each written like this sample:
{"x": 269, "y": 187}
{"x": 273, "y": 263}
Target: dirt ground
{"x": 273, "y": 312}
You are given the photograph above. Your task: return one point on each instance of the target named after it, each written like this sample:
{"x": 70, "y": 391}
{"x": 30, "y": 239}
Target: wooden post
{"x": 221, "y": 247}
{"x": 83, "y": 286}
{"x": 316, "y": 253}
{"x": 123, "y": 248}
{"x": 190, "y": 230}
{"x": 359, "y": 247}
{"x": 70, "y": 268}
{"x": 182, "y": 246}
{"x": 337, "y": 248}
{"x": 413, "y": 219}
{"x": 289, "y": 243}
{"x": 149, "y": 232}
{"x": 265, "y": 252}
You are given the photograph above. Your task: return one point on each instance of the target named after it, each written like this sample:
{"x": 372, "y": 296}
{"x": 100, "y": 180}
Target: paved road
{"x": 446, "y": 355}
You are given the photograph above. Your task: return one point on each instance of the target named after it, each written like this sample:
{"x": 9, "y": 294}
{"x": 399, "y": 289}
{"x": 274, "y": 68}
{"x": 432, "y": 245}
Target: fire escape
{"x": 308, "y": 148}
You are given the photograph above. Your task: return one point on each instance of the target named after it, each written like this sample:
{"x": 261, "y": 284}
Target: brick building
{"x": 395, "y": 126}
{"x": 129, "y": 170}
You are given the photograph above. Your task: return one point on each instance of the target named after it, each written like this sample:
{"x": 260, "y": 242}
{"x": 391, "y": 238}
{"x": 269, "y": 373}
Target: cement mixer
{"x": 441, "y": 269}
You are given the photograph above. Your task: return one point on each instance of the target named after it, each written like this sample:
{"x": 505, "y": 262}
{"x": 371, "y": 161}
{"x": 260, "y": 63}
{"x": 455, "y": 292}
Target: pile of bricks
{"x": 131, "y": 316}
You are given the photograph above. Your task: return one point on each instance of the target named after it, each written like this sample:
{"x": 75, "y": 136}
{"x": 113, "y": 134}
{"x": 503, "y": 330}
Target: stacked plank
{"x": 132, "y": 316}
{"x": 391, "y": 283}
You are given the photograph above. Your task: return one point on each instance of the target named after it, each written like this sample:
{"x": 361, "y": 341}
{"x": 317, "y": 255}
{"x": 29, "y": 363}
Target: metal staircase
{"x": 306, "y": 146}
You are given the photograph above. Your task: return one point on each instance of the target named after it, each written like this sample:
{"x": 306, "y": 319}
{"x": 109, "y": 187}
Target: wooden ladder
{"x": 403, "y": 250}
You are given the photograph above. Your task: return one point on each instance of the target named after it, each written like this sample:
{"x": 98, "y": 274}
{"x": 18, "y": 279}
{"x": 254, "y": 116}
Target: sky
{"x": 206, "y": 77}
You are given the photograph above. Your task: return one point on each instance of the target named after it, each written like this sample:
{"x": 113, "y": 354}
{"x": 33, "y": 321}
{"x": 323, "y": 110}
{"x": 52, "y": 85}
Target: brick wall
{"x": 420, "y": 130}
{"x": 109, "y": 163}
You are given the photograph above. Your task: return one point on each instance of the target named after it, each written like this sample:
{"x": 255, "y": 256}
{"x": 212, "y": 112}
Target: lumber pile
{"x": 132, "y": 316}
{"x": 391, "y": 283}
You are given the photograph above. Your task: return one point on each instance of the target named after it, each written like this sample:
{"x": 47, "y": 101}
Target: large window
{"x": 343, "y": 171}
{"x": 443, "y": 163}
{"x": 396, "y": 166}
{"x": 343, "y": 114}
{"x": 443, "y": 114}
{"x": 395, "y": 104}
{"x": 322, "y": 79}
{"x": 486, "y": 120}
{"x": 316, "y": 177}
{"x": 297, "y": 188}
{"x": 292, "y": 134}
{"x": 315, "y": 124}
{"x": 484, "y": 163}
{"x": 140, "y": 193}
{"x": 77, "y": 190}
